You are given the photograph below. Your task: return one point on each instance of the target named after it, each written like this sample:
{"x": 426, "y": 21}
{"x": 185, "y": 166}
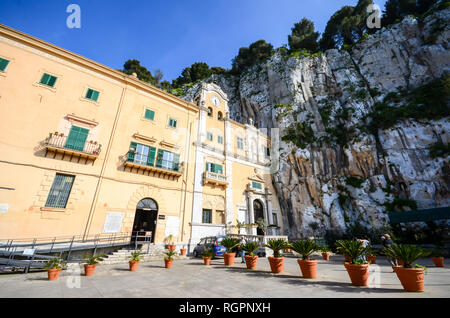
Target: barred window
{"x": 60, "y": 191}
{"x": 206, "y": 217}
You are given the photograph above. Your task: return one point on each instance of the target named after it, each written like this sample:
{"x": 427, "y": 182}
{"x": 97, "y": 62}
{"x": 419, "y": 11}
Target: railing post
{"x": 70, "y": 248}
{"x": 53, "y": 243}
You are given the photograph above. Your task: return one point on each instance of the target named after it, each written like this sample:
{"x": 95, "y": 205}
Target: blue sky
{"x": 167, "y": 35}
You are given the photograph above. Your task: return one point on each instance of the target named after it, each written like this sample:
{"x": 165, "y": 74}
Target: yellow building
{"x": 85, "y": 149}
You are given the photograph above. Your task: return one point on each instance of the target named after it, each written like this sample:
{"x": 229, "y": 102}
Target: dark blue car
{"x": 212, "y": 242}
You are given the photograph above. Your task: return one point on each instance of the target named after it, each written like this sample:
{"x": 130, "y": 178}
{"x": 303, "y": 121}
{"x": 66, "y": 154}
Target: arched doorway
{"x": 145, "y": 218}
{"x": 258, "y": 212}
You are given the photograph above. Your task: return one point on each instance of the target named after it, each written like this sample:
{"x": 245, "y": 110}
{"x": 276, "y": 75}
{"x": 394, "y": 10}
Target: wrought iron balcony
{"x": 164, "y": 167}
{"x": 59, "y": 143}
{"x": 215, "y": 178}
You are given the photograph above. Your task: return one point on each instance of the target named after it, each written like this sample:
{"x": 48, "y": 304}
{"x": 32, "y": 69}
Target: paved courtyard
{"x": 189, "y": 278}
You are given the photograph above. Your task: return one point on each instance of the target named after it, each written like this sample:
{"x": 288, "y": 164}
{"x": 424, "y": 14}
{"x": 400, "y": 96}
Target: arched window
{"x": 210, "y": 112}
{"x": 219, "y": 116}
{"x": 147, "y": 204}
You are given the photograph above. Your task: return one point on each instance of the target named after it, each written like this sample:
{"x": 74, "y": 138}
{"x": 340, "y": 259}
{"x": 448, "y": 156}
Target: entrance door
{"x": 145, "y": 218}
{"x": 259, "y": 214}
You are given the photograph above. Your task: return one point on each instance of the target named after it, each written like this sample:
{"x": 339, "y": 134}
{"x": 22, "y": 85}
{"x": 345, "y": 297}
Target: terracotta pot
{"x": 276, "y": 264}
{"x": 287, "y": 250}
{"x": 89, "y": 269}
{"x": 53, "y": 273}
{"x": 182, "y": 251}
{"x": 359, "y": 274}
{"x": 168, "y": 262}
{"x": 207, "y": 260}
{"x": 326, "y": 256}
{"x": 171, "y": 247}
{"x": 438, "y": 261}
{"x": 133, "y": 265}
{"x": 228, "y": 258}
{"x": 251, "y": 261}
{"x": 308, "y": 268}
{"x": 372, "y": 259}
{"x": 412, "y": 279}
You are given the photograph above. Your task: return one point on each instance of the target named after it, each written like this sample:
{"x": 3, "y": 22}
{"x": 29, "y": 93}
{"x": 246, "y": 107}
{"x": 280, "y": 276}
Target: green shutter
{"x": 3, "y": 64}
{"x": 44, "y": 79}
{"x": 77, "y": 138}
{"x": 176, "y": 162}
{"x": 131, "y": 152}
{"x": 95, "y": 95}
{"x": 151, "y": 156}
{"x": 172, "y": 123}
{"x": 51, "y": 81}
{"x": 48, "y": 79}
{"x": 149, "y": 114}
{"x": 92, "y": 94}
{"x": 159, "y": 158}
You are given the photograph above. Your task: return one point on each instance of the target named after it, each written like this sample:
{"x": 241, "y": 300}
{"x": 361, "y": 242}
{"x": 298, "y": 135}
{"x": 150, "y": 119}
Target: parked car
{"x": 212, "y": 242}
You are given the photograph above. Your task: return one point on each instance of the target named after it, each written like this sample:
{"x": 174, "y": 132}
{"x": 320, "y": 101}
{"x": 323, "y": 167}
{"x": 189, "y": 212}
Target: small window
{"x": 267, "y": 151}
{"x": 149, "y": 114}
{"x": 60, "y": 191}
{"x": 256, "y": 185}
{"x": 3, "y": 64}
{"x": 210, "y": 112}
{"x": 212, "y": 167}
{"x": 209, "y": 136}
{"x": 220, "y": 140}
{"x": 219, "y": 116}
{"x": 92, "y": 94}
{"x": 275, "y": 219}
{"x": 206, "y": 216}
{"x": 48, "y": 80}
{"x": 240, "y": 143}
{"x": 172, "y": 122}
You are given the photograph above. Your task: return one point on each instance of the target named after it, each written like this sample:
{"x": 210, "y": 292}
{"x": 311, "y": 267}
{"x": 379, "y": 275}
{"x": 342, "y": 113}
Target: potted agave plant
{"x": 54, "y": 267}
{"x": 305, "y": 248}
{"x": 357, "y": 268}
{"x": 208, "y": 255}
{"x": 250, "y": 259}
{"x": 325, "y": 252}
{"x": 277, "y": 260}
{"x": 411, "y": 277}
{"x": 135, "y": 258}
{"x": 91, "y": 263}
{"x": 170, "y": 243}
{"x": 437, "y": 257}
{"x": 168, "y": 260}
{"x": 229, "y": 243}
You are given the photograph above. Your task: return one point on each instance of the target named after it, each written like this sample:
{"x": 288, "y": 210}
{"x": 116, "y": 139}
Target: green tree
{"x": 257, "y": 52}
{"x": 134, "y": 66}
{"x": 395, "y": 10}
{"x": 304, "y": 37}
{"x": 346, "y": 26}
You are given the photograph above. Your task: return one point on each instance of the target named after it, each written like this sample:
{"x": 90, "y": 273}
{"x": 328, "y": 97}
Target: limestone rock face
{"x": 331, "y": 93}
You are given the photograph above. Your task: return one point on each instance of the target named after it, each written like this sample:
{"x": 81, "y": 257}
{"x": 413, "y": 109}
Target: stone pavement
{"x": 189, "y": 278}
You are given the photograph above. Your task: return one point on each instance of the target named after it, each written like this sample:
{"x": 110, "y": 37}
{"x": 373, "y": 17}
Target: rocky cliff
{"x": 338, "y": 166}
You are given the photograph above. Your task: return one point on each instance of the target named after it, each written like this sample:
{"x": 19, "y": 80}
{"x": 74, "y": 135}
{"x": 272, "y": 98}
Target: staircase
{"x": 155, "y": 253}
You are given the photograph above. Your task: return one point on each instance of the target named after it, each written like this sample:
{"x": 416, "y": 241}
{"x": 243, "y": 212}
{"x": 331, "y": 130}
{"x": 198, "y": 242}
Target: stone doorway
{"x": 145, "y": 219}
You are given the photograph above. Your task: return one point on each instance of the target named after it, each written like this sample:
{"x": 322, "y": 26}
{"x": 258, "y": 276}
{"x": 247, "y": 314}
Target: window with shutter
{"x": 149, "y": 114}
{"x": 60, "y": 191}
{"x": 48, "y": 79}
{"x": 77, "y": 138}
{"x": 92, "y": 94}
{"x": 3, "y": 64}
{"x": 131, "y": 151}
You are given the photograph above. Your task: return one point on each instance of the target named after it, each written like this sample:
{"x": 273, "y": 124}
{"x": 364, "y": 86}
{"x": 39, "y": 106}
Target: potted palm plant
{"x": 250, "y": 259}
{"x": 372, "y": 256}
{"x": 305, "y": 248}
{"x": 357, "y": 268}
{"x": 411, "y": 277}
{"x": 182, "y": 251}
{"x": 437, "y": 257}
{"x": 229, "y": 243}
{"x": 135, "y": 258}
{"x": 91, "y": 263}
{"x": 54, "y": 267}
{"x": 277, "y": 260}
{"x": 168, "y": 260}
{"x": 170, "y": 243}
{"x": 208, "y": 254}
{"x": 325, "y": 252}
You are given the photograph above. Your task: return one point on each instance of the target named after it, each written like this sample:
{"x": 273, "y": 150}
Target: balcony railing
{"x": 167, "y": 167}
{"x": 58, "y": 142}
{"x": 215, "y": 178}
